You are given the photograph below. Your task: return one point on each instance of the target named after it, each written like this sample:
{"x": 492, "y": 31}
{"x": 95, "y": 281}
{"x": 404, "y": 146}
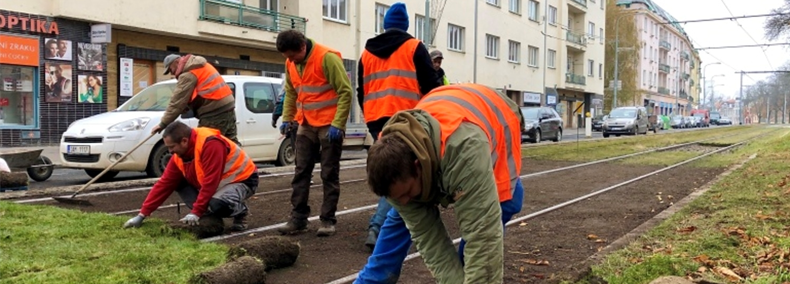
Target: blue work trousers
{"x": 394, "y": 241}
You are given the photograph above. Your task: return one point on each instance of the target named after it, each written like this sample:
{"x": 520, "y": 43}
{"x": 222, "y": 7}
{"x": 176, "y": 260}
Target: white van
{"x": 95, "y": 142}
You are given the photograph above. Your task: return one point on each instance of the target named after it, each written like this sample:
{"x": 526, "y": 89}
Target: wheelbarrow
{"x": 38, "y": 166}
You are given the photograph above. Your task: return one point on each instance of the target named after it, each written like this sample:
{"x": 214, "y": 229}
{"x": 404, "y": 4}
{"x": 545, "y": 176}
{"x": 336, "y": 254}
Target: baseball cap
{"x": 169, "y": 60}
{"x": 436, "y": 54}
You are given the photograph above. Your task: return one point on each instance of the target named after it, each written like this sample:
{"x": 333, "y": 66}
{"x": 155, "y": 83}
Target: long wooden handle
{"x": 97, "y": 177}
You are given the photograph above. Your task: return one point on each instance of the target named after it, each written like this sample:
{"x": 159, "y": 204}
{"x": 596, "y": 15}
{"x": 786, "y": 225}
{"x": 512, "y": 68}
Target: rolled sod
{"x": 274, "y": 251}
{"x": 208, "y": 226}
{"x": 15, "y": 179}
{"x": 242, "y": 270}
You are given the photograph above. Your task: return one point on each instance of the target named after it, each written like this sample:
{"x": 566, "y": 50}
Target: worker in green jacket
{"x": 437, "y": 58}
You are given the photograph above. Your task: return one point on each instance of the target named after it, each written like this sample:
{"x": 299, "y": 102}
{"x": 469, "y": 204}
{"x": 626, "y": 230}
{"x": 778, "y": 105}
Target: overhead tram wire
{"x": 748, "y": 34}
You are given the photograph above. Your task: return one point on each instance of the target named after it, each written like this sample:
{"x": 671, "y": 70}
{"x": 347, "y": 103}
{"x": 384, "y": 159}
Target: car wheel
{"x": 538, "y": 135}
{"x": 605, "y": 135}
{"x": 158, "y": 160}
{"x": 286, "y": 156}
{"x": 559, "y": 136}
{"x": 107, "y": 176}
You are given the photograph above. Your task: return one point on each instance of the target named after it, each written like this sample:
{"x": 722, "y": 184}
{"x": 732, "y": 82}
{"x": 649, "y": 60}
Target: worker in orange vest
{"x": 317, "y": 101}
{"x": 200, "y": 88}
{"x": 212, "y": 175}
{"x": 395, "y": 71}
{"x": 460, "y": 145}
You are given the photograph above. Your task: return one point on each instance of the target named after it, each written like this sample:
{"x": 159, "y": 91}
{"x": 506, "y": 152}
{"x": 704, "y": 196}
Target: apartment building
{"x": 669, "y": 64}
{"x": 499, "y": 43}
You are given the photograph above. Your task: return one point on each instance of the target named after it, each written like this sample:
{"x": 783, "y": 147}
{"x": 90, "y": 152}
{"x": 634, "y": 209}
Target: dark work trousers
{"x": 227, "y": 202}
{"x": 310, "y": 143}
{"x": 225, "y": 122}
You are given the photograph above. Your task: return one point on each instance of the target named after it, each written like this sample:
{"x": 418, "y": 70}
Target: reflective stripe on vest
{"x": 316, "y": 99}
{"x": 390, "y": 84}
{"x": 495, "y": 130}
{"x": 210, "y": 85}
{"x": 238, "y": 165}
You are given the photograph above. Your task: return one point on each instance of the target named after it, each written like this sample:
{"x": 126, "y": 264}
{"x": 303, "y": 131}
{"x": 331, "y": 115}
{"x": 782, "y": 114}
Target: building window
{"x": 455, "y": 37}
{"x": 381, "y": 10}
{"x": 552, "y": 15}
{"x": 335, "y": 10}
{"x": 644, "y": 75}
{"x": 591, "y": 30}
{"x": 514, "y": 51}
{"x": 533, "y": 56}
{"x": 515, "y": 6}
{"x": 551, "y": 55}
{"x": 273, "y": 5}
{"x": 600, "y": 70}
{"x": 419, "y": 25}
{"x": 533, "y": 10}
{"x": 600, "y": 35}
{"x": 492, "y": 46}
{"x": 18, "y": 102}
{"x": 493, "y": 2}
{"x": 590, "y": 68}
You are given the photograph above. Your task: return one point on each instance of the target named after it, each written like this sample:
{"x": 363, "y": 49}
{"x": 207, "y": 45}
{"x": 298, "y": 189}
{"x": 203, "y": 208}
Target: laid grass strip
{"x": 42, "y": 244}
{"x": 736, "y": 232}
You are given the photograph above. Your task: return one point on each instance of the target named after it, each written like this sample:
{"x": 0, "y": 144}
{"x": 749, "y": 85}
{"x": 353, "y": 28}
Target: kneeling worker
{"x": 461, "y": 144}
{"x": 212, "y": 175}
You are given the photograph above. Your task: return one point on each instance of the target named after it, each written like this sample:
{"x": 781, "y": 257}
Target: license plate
{"x": 79, "y": 149}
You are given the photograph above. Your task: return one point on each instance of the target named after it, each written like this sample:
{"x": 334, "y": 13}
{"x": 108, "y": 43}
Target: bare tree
{"x": 437, "y": 8}
{"x": 778, "y": 25}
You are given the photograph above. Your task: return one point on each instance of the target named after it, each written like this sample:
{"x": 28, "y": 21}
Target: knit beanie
{"x": 397, "y": 17}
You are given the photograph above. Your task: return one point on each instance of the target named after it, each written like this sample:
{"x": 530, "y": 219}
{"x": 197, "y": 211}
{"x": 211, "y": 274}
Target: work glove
{"x": 287, "y": 127}
{"x": 335, "y": 134}
{"x": 274, "y": 120}
{"x": 135, "y": 222}
{"x": 190, "y": 219}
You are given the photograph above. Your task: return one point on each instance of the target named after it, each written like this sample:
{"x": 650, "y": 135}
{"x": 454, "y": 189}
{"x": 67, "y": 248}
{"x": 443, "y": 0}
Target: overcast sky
{"x": 728, "y": 33}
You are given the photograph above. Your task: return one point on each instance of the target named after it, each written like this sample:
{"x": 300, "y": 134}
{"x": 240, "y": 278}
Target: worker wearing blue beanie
{"x": 396, "y": 17}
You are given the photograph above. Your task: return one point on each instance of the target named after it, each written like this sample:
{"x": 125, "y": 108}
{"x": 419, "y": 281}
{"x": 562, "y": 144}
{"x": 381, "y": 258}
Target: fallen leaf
{"x": 536, "y": 262}
{"x": 687, "y": 229}
{"x": 728, "y": 273}
{"x": 670, "y": 197}
{"x": 521, "y": 269}
{"x": 591, "y": 237}
{"x": 600, "y": 241}
{"x": 522, "y": 224}
{"x": 702, "y": 269}
{"x": 659, "y": 197}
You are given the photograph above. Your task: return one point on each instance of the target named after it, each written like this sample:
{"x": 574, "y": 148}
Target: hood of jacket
{"x": 190, "y": 62}
{"x": 420, "y": 131}
{"x": 384, "y": 45}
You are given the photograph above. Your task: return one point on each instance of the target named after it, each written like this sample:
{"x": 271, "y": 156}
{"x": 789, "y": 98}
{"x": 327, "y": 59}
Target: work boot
{"x": 370, "y": 242}
{"x": 327, "y": 229}
{"x": 239, "y": 222}
{"x": 293, "y": 226}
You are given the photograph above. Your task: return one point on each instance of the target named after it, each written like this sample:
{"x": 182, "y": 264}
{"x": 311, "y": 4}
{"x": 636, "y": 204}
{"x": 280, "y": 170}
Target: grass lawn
{"x": 737, "y": 232}
{"x": 42, "y": 244}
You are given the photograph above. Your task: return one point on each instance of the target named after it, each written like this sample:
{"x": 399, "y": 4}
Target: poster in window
{"x": 57, "y": 49}
{"x": 57, "y": 82}
{"x": 89, "y": 56}
{"x": 89, "y": 89}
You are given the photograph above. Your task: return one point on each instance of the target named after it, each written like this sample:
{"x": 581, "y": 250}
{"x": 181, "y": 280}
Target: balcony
{"x": 663, "y": 90}
{"x": 575, "y": 79}
{"x": 663, "y": 67}
{"x": 691, "y": 64}
{"x": 582, "y": 3}
{"x": 665, "y": 44}
{"x": 683, "y": 95}
{"x": 251, "y": 17}
{"x": 685, "y": 55}
{"x": 686, "y": 76}
{"x": 691, "y": 99}
{"x": 579, "y": 39}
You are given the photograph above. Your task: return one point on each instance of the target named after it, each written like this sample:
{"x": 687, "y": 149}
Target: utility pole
{"x": 704, "y": 81}
{"x": 427, "y": 25}
{"x": 474, "y": 57}
{"x": 740, "y": 102}
{"x": 545, "y": 53}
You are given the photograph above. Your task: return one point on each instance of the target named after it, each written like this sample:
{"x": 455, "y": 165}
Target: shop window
{"x": 17, "y": 97}
{"x": 259, "y": 97}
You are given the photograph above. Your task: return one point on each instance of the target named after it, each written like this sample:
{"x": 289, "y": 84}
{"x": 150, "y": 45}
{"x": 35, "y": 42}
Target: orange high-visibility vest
{"x": 238, "y": 166}
{"x": 210, "y": 84}
{"x": 390, "y": 84}
{"x": 316, "y": 99}
{"x": 482, "y": 106}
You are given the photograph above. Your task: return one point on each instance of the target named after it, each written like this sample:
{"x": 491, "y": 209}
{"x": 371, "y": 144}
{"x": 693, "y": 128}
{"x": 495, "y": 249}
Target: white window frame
{"x": 600, "y": 35}
{"x": 591, "y": 30}
{"x": 590, "y": 68}
{"x": 513, "y": 51}
{"x": 534, "y": 53}
{"x": 455, "y": 38}
{"x": 551, "y": 59}
{"x": 493, "y": 2}
{"x": 492, "y": 46}
{"x": 515, "y": 6}
{"x": 600, "y": 70}
{"x": 644, "y": 75}
{"x": 534, "y": 10}
{"x": 327, "y": 12}
{"x": 419, "y": 32}
{"x": 552, "y": 15}
{"x": 381, "y": 10}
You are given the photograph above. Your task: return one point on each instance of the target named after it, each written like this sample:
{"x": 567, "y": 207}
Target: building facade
{"x": 116, "y": 49}
{"x": 669, "y": 65}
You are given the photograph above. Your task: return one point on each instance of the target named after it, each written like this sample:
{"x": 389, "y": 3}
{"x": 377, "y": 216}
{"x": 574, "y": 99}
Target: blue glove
{"x": 190, "y": 219}
{"x": 283, "y": 128}
{"x": 335, "y": 134}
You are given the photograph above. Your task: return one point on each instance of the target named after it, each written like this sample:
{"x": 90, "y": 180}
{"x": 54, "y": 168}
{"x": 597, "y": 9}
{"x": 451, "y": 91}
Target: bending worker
{"x": 212, "y": 175}
{"x": 317, "y": 101}
{"x": 200, "y": 88}
{"x": 460, "y": 145}
{"x": 395, "y": 71}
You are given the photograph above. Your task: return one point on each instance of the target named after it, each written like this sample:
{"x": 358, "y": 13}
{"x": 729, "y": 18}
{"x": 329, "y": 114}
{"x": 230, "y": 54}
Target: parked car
{"x": 689, "y": 121}
{"x": 714, "y": 117}
{"x": 95, "y": 142}
{"x": 541, "y": 123}
{"x": 725, "y": 121}
{"x": 597, "y": 122}
{"x": 704, "y": 115}
{"x": 626, "y": 120}
{"x": 678, "y": 121}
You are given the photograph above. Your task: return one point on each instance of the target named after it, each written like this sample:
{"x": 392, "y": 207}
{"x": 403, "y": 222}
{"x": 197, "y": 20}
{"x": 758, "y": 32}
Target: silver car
{"x": 626, "y": 120}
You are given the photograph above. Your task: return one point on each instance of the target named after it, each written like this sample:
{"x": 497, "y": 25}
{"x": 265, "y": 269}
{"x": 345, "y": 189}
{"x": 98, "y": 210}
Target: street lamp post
{"x": 704, "y": 81}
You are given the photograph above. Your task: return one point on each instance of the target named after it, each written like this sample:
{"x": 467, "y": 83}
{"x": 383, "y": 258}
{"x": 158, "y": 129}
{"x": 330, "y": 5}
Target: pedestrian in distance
{"x": 460, "y": 145}
{"x": 211, "y": 174}
{"x": 317, "y": 103}
{"x": 200, "y": 88}
{"x": 437, "y": 58}
{"x": 395, "y": 71}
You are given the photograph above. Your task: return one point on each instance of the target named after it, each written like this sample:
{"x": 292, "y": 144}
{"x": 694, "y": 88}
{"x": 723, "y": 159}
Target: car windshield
{"x": 153, "y": 98}
{"x": 699, "y": 115}
{"x": 623, "y": 113}
{"x": 677, "y": 117}
{"x": 530, "y": 112}
{"x": 715, "y": 115}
